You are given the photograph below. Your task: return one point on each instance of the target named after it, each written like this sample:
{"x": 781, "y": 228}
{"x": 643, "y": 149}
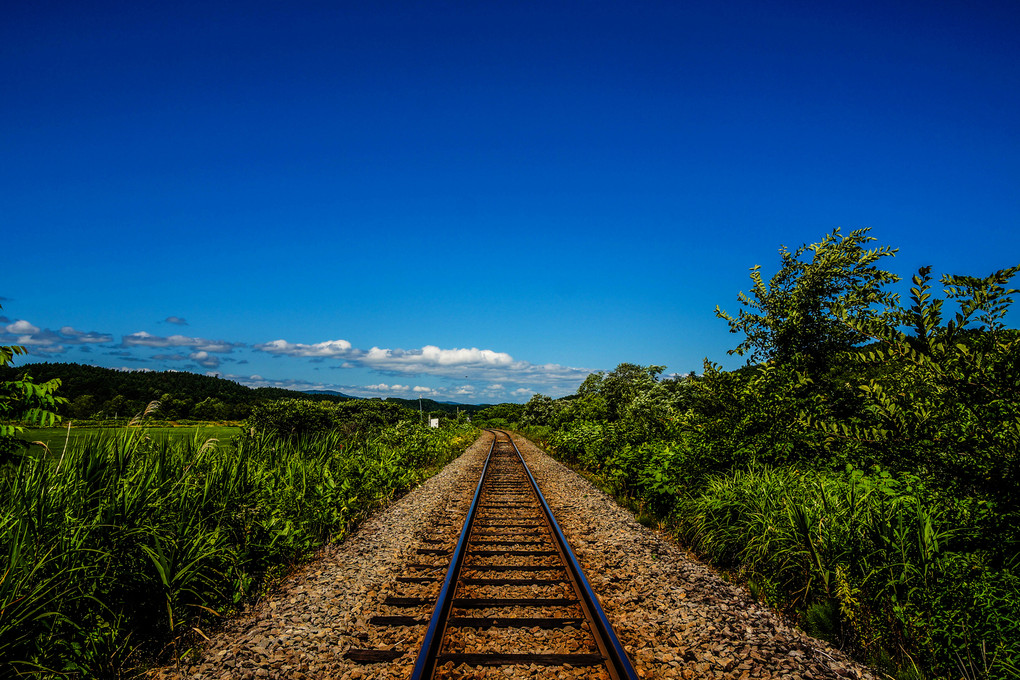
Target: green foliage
{"x": 365, "y": 414}
{"x": 864, "y": 476}
{"x": 874, "y": 561}
{"x": 299, "y": 417}
{"x": 292, "y": 418}
{"x": 23, "y": 402}
{"x": 540, "y": 410}
{"x": 95, "y": 392}
{"x": 120, "y": 548}
{"x": 946, "y": 397}
{"x": 792, "y": 317}
{"x": 498, "y": 415}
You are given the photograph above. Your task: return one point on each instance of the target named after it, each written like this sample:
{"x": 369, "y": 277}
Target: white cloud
{"x": 472, "y": 364}
{"x": 73, "y": 336}
{"x": 43, "y": 349}
{"x": 48, "y": 341}
{"x": 31, "y": 341}
{"x": 218, "y": 346}
{"x": 288, "y": 384}
{"x": 329, "y": 348}
{"x": 431, "y": 359}
{"x": 176, "y": 320}
{"x": 383, "y": 387}
{"x": 143, "y": 339}
{"x": 458, "y": 363}
{"x": 204, "y": 359}
{"x": 22, "y": 327}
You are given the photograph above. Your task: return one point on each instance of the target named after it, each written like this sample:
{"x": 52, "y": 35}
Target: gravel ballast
{"x": 675, "y": 617}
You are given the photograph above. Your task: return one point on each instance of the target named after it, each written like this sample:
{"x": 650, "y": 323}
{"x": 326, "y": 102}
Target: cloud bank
{"x": 143, "y": 339}
{"x": 459, "y": 363}
{"x": 463, "y": 373}
{"x": 329, "y": 348}
{"x": 46, "y": 341}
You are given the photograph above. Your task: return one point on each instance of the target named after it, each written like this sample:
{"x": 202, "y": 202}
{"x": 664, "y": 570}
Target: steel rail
{"x": 610, "y": 648}
{"x": 620, "y": 666}
{"x": 425, "y": 663}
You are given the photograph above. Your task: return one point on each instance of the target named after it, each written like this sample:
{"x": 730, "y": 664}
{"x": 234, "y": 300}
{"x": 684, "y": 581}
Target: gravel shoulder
{"x": 675, "y": 617}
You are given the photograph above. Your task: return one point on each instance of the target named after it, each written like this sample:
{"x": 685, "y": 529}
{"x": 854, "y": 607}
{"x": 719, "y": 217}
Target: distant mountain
{"x": 428, "y": 405}
{"x": 329, "y": 393}
{"x": 413, "y": 404}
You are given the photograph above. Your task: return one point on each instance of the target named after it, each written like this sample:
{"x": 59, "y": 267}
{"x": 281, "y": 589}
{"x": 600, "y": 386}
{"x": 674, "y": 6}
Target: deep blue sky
{"x": 549, "y": 188}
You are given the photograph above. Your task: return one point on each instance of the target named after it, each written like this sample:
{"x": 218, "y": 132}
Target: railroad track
{"x": 512, "y": 595}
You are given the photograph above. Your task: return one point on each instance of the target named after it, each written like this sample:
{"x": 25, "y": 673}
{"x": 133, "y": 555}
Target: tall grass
{"x": 124, "y": 549}
{"x": 882, "y": 565}
{"x": 868, "y": 561}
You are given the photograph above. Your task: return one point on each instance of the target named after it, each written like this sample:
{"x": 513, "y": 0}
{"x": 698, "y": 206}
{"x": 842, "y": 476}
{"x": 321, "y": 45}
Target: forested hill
{"x": 105, "y": 392}
{"x": 94, "y": 392}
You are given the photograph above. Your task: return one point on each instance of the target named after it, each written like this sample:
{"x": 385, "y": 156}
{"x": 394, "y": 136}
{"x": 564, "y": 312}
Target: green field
{"x": 56, "y": 437}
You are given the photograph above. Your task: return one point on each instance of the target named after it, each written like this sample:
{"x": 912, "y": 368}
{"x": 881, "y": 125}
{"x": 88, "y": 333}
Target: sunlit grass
{"x": 122, "y": 547}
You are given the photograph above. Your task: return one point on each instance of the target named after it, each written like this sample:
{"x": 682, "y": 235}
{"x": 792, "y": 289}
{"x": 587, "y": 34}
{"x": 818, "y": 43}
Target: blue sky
{"x": 476, "y": 201}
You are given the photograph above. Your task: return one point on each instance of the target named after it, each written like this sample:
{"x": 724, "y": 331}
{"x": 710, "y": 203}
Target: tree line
{"x": 92, "y": 392}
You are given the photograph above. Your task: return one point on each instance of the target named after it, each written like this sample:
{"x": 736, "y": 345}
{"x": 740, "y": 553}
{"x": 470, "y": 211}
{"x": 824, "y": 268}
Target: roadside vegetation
{"x": 860, "y": 474}
{"x": 124, "y": 548}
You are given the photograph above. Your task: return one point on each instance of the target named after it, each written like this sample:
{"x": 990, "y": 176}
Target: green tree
{"x": 540, "y": 410}
{"x": 209, "y": 408}
{"x": 615, "y": 392}
{"x": 117, "y": 406}
{"x": 792, "y": 319}
{"x": 292, "y": 417}
{"x": 368, "y": 414}
{"x": 505, "y": 414}
{"x": 625, "y": 384}
{"x": 82, "y": 407}
{"x": 945, "y": 395}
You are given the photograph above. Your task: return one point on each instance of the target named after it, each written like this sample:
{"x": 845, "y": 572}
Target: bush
{"x": 292, "y": 418}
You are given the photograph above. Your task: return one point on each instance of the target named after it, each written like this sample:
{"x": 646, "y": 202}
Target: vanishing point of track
{"x": 512, "y": 572}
